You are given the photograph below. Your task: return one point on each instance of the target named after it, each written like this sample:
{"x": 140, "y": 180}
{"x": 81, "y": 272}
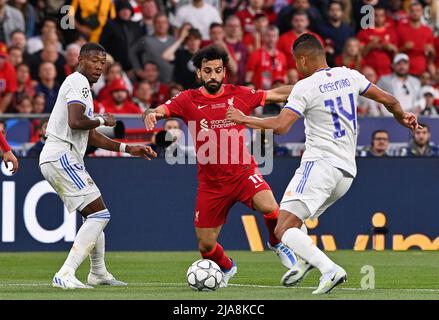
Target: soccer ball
{"x": 204, "y": 275}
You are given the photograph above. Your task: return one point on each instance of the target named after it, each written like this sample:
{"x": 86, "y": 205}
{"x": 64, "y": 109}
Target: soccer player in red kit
{"x": 8, "y": 156}
{"x": 224, "y": 175}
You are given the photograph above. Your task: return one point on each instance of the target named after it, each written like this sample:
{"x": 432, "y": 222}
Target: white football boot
{"x": 68, "y": 281}
{"x": 108, "y": 279}
{"x": 297, "y": 273}
{"x": 330, "y": 280}
{"x": 227, "y": 275}
{"x": 285, "y": 254}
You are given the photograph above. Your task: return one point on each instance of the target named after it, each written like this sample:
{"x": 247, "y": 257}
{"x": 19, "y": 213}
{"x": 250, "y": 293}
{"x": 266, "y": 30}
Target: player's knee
{"x": 269, "y": 207}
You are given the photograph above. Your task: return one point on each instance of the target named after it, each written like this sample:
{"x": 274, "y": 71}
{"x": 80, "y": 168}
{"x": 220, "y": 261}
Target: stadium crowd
{"x": 150, "y": 44}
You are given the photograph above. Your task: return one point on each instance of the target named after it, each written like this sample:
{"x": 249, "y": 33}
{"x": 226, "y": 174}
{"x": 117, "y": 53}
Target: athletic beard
{"x": 210, "y": 89}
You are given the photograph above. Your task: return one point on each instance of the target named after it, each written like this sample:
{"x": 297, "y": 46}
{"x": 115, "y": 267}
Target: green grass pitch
{"x": 162, "y": 275}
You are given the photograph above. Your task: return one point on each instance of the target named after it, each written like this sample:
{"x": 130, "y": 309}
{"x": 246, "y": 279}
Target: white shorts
{"x": 318, "y": 185}
{"x": 71, "y": 181}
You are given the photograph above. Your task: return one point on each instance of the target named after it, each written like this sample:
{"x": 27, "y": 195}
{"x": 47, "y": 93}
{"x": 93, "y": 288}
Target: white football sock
{"x": 302, "y": 245}
{"x": 85, "y": 241}
{"x": 97, "y": 262}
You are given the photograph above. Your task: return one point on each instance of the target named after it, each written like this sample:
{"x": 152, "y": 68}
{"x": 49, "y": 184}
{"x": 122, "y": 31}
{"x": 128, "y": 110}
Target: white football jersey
{"x": 60, "y": 137}
{"x": 328, "y": 102}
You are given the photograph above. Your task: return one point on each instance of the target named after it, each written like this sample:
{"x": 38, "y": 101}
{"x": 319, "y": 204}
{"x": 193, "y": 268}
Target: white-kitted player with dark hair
{"x": 327, "y": 99}
{"x": 70, "y": 129}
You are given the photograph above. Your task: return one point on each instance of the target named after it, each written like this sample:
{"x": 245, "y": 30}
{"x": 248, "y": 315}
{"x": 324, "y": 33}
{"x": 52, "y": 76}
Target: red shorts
{"x": 214, "y": 199}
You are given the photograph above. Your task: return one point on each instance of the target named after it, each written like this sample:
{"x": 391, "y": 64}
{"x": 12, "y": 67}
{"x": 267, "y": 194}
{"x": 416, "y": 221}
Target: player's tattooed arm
{"x": 78, "y": 121}
{"x": 151, "y": 116}
{"x": 99, "y": 140}
{"x": 279, "y": 94}
{"x": 406, "y": 119}
{"x": 280, "y": 124}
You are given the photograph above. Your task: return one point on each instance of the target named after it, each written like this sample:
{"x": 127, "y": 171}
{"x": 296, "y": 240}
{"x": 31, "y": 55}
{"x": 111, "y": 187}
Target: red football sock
{"x": 271, "y": 221}
{"x": 217, "y": 255}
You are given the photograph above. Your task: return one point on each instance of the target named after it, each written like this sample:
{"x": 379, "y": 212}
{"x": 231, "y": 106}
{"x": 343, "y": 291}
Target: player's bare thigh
{"x": 94, "y": 206}
{"x": 207, "y": 238}
{"x": 264, "y": 201}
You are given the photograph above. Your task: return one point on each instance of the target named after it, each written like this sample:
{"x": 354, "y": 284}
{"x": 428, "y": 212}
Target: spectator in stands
{"x": 24, "y": 105}
{"x": 39, "y": 103}
{"x": 72, "y": 55}
{"x": 15, "y": 56}
{"x": 368, "y": 107}
{"x": 217, "y": 37}
{"x": 35, "y": 150}
{"x": 379, "y": 44}
{"x": 378, "y": 146}
{"x": 158, "y": 90}
{"x": 29, "y": 15}
{"x": 143, "y": 96}
{"x": 426, "y": 79}
{"x": 48, "y": 85}
{"x": 91, "y": 16}
{"x": 299, "y": 26}
{"x": 120, "y": 34}
{"x": 247, "y": 17}
{"x": 149, "y": 10}
{"x": 120, "y": 100}
{"x": 151, "y": 48}
{"x": 8, "y": 79}
{"x": 403, "y": 86}
{"x": 48, "y": 54}
{"x": 172, "y": 127}
{"x": 351, "y": 56}
{"x": 427, "y": 105}
{"x": 175, "y": 89}
{"x": 18, "y": 39}
{"x": 199, "y": 15}
{"x": 181, "y": 53}
{"x": 420, "y": 145}
{"x": 48, "y": 30}
{"x": 395, "y": 13}
{"x": 253, "y": 40}
{"x": 10, "y": 19}
{"x": 284, "y": 16}
{"x": 111, "y": 72}
{"x": 233, "y": 33}
{"x": 416, "y": 40}
{"x": 268, "y": 63}
{"x": 335, "y": 29}
{"x": 25, "y": 85}
{"x": 431, "y": 15}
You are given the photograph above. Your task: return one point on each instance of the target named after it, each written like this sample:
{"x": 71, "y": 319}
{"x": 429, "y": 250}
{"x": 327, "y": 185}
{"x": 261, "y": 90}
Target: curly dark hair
{"x": 209, "y": 53}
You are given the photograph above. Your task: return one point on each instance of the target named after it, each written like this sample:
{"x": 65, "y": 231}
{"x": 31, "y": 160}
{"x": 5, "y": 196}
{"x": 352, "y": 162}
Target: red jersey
{"x": 247, "y": 18}
{"x": 285, "y": 45}
{"x": 8, "y": 79}
{"x": 4, "y": 146}
{"x": 127, "y": 107}
{"x": 420, "y": 37}
{"x": 380, "y": 60}
{"x": 220, "y": 144}
{"x": 267, "y": 69}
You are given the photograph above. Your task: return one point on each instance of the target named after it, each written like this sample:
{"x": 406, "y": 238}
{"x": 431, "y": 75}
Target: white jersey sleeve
{"x": 60, "y": 137}
{"x": 360, "y": 81}
{"x": 297, "y": 100}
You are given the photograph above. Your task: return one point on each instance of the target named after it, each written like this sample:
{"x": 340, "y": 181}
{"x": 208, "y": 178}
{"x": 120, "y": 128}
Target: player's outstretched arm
{"x": 280, "y": 124}
{"x": 78, "y": 121}
{"x": 406, "y": 119}
{"x": 279, "y": 94}
{"x": 99, "y": 140}
{"x": 151, "y": 116}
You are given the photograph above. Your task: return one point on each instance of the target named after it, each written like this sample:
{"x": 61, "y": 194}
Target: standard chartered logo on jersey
{"x": 222, "y": 141}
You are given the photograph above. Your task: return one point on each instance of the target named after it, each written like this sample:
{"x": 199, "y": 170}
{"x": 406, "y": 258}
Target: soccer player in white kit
{"x": 70, "y": 129}
{"x": 327, "y": 99}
